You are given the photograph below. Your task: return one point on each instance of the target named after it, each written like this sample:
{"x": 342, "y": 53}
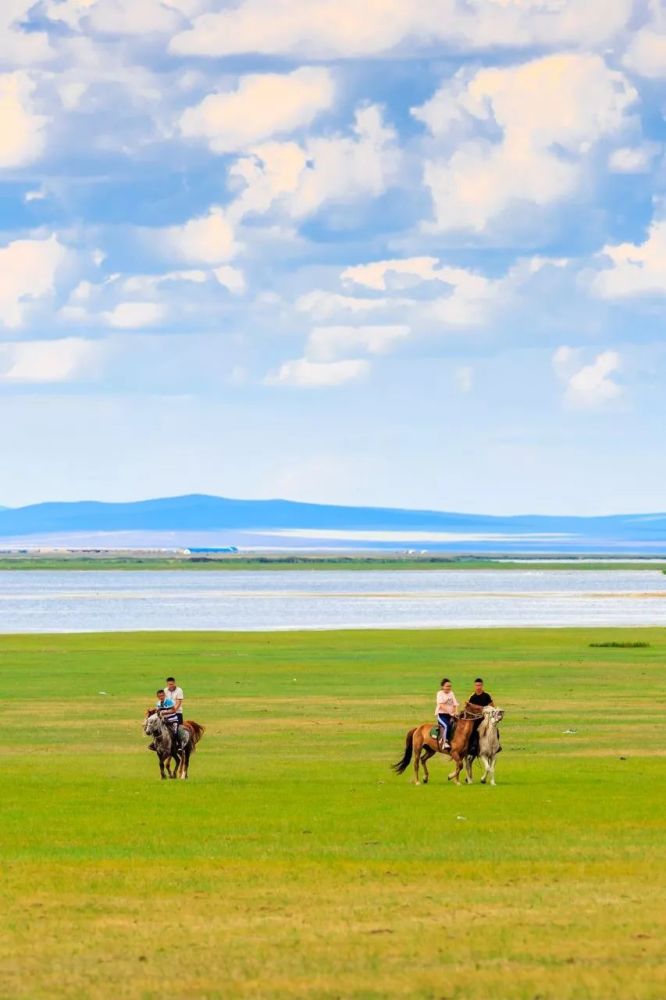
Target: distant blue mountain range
{"x": 289, "y": 524}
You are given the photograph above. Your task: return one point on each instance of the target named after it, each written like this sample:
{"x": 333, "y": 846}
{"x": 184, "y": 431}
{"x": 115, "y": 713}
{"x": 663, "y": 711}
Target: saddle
{"x": 436, "y": 734}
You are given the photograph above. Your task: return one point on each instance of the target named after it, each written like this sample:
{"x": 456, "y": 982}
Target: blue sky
{"x": 404, "y": 252}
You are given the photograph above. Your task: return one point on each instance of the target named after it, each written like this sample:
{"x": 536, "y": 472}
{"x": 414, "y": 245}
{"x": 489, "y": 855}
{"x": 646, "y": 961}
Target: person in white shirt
{"x": 176, "y": 695}
{"x": 445, "y": 709}
{"x": 174, "y": 715}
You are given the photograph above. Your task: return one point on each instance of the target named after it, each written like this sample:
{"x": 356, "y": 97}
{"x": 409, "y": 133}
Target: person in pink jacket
{"x": 445, "y": 709}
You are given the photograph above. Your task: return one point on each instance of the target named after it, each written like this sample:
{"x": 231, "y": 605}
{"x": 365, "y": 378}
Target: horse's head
{"x": 493, "y": 715}
{"x": 152, "y": 723}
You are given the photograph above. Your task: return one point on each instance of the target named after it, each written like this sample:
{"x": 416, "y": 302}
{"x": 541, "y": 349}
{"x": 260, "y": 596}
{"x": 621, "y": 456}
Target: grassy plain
{"x": 358, "y": 562}
{"x": 294, "y": 864}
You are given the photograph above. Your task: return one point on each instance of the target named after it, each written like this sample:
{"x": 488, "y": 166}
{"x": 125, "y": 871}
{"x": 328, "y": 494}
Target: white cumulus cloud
{"x": 549, "y": 112}
{"x": 587, "y": 386}
{"x": 263, "y": 105}
{"x": 28, "y": 271}
{"x": 327, "y": 343}
{"x": 635, "y": 268}
{"x": 19, "y": 47}
{"x": 231, "y": 278}
{"x": 633, "y": 159}
{"x": 375, "y": 274}
{"x": 123, "y": 17}
{"x": 21, "y": 129}
{"x": 134, "y": 315}
{"x": 208, "y": 239}
{"x": 63, "y": 360}
{"x": 646, "y": 54}
{"x": 301, "y": 179}
{"x": 317, "y": 374}
{"x": 146, "y": 284}
{"x": 349, "y": 29}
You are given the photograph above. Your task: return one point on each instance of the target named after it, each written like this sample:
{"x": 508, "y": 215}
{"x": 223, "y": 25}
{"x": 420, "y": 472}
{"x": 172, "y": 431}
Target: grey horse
{"x": 488, "y": 745}
{"x": 189, "y": 735}
{"x": 156, "y": 727}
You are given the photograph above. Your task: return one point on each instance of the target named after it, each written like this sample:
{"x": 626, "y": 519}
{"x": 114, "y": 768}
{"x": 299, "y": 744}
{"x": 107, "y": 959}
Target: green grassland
{"x": 294, "y": 864}
{"x": 301, "y": 562}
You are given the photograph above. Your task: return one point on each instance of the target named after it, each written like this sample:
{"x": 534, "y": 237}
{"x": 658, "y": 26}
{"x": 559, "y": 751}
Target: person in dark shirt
{"x": 482, "y": 698}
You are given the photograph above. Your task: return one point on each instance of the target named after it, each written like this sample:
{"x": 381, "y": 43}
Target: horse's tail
{"x": 403, "y": 764}
{"x": 196, "y": 730}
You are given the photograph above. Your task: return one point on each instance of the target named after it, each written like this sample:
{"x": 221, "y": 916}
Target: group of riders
{"x": 170, "y": 701}
{"x": 447, "y": 711}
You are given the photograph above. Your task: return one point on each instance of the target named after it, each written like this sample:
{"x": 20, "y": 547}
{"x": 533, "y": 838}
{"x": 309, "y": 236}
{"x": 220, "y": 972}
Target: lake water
{"x": 72, "y": 601}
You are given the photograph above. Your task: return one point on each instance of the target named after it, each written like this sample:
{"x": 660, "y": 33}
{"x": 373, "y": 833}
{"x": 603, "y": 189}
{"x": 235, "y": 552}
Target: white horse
{"x": 155, "y": 726}
{"x": 488, "y": 745}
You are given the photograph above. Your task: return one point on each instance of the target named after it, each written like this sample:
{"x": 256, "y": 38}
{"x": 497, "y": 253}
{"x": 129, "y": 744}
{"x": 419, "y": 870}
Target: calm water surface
{"x": 72, "y": 601}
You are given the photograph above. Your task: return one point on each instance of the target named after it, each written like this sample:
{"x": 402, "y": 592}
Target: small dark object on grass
{"x": 619, "y": 645}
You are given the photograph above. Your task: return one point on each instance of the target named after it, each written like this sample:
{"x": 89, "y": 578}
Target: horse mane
{"x": 470, "y": 713}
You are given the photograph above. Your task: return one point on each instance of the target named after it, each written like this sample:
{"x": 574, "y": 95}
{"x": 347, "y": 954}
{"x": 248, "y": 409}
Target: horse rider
{"x": 445, "y": 710}
{"x": 162, "y": 700}
{"x": 172, "y": 710}
{"x": 176, "y": 695}
{"x": 162, "y": 703}
{"x": 482, "y": 698}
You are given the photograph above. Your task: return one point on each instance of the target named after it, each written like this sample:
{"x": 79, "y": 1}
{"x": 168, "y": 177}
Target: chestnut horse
{"x": 422, "y": 746}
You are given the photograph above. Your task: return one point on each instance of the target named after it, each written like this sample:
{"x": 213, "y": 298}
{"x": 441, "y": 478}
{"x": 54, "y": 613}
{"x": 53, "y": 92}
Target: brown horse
{"x": 196, "y": 732}
{"x": 422, "y": 746}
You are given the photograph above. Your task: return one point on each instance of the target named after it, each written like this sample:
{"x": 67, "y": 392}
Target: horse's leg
{"x": 455, "y": 774}
{"x": 161, "y": 763}
{"x": 428, "y": 752}
{"x": 417, "y": 746}
{"x": 184, "y": 763}
{"x": 486, "y": 768}
{"x": 468, "y": 768}
{"x": 492, "y": 770}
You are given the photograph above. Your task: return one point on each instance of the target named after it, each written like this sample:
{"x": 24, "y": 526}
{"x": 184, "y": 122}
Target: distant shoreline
{"x": 213, "y": 563}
